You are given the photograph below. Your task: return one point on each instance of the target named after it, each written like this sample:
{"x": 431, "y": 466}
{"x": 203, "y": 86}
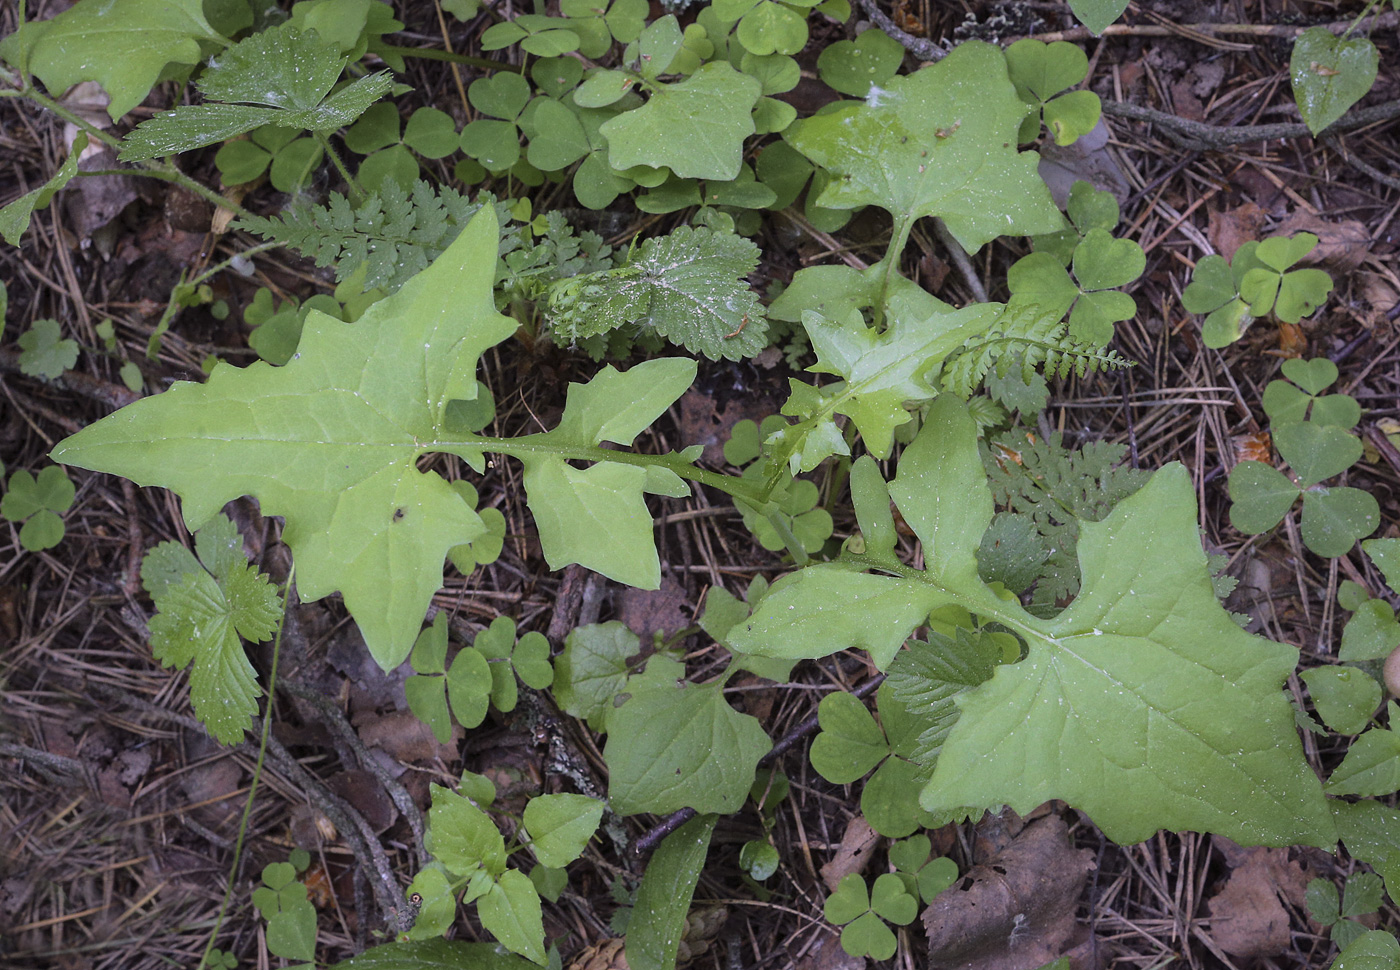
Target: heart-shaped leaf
{"x": 1313, "y": 376}
{"x": 1300, "y": 293}
{"x": 502, "y": 95}
{"x": 1330, "y": 75}
{"x": 850, "y": 743}
{"x": 1040, "y": 71}
{"x": 1226, "y": 325}
{"x": 889, "y": 900}
{"x": 1281, "y": 252}
{"x": 1212, "y": 286}
{"x": 1102, "y": 262}
{"x": 1261, "y": 495}
{"x": 1316, "y": 452}
{"x": 1098, "y": 14}
{"x": 1335, "y": 518}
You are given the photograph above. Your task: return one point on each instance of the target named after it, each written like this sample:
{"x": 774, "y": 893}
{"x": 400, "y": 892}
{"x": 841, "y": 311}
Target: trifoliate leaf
{"x": 124, "y": 45}
{"x": 279, "y": 77}
{"x": 201, "y": 612}
{"x": 924, "y": 144}
{"x": 1330, "y": 74}
{"x": 330, "y": 441}
{"x": 712, "y": 106}
{"x": 52, "y": 491}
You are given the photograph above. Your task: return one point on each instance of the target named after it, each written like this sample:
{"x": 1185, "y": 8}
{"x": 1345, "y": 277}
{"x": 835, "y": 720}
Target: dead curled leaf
{"x": 853, "y": 855}
{"x": 1014, "y": 912}
{"x": 1248, "y": 917}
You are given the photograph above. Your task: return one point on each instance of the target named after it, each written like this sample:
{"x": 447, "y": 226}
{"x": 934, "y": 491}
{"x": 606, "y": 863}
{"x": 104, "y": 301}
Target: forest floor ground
{"x": 118, "y": 815}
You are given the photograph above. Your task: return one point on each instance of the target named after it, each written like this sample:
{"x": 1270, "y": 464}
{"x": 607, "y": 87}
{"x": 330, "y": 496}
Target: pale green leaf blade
{"x": 941, "y": 490}
{"x": 681, "y": 746}
{"x": 560, "y": 826}
{"x": 618, "y": 405}
{"x": 713, "y": 107}
{"x": 462, "y": 837}
{"x": 510, "y": 911}
{"x": 1330, "y": 74}
{"x": 822, "y": 609}
{"x": 592, "y": 669}
{"x": 926, "y": 144}
{"x": 14, "y": 218}
{"x": 596, "y": 517}
{"x": 137, "y": 40}
{"x": 330, "y": 441}
{"x": 850, "y": 742}
{"x": 663, "y": 899}
{"x": 1371, "y": 766}
{"x": 1345, "y": 697}
{"x": 1143, "y": 703}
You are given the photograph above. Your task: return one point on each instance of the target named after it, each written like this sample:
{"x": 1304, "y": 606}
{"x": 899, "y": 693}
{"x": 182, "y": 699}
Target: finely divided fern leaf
{"x": 1048, "y": 489}
{"x": 1025, "y": 336}
{"x": 397, "y": 233}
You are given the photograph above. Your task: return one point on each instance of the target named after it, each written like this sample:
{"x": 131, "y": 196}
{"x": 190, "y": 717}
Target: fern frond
{"x": 396, "y": 233}
{"x": 1024, "y": 336}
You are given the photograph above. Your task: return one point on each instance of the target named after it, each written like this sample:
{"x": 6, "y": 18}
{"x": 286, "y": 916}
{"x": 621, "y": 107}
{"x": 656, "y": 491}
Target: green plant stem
{"x": 165, "y": 171}
{"x": 173, "y": 307}
{"x": 433, "y": 54}
{"x": 903, "y": 225}
{"x": 539, "y": 444}
{"x": 1366, "y": 12}
{"x": 979, "y": 600}
{"x": 355, "y": 189}
{"x": 257, "y": 776}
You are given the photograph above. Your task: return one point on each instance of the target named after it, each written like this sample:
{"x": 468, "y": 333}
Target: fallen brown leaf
{"x": 1014, "y": 912}
{"x": 1248, "y": 916}
{"x": 853, "y": 855}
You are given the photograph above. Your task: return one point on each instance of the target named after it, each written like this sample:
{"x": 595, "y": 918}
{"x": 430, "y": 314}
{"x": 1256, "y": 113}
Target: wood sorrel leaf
{"x": 941, "y": 142}
{"x": 330, "y": 441}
